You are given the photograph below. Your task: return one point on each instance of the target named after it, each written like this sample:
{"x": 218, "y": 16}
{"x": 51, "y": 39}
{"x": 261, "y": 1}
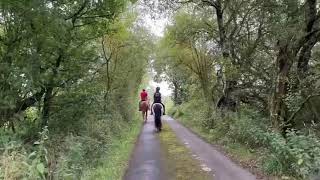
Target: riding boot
{"x": 164, "y": 109}
{"x": 151, "y": 109}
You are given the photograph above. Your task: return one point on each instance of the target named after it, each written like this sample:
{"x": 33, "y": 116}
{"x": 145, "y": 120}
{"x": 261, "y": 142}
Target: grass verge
{"x": 181, "y": 164}
{"x": 248, "y": 158}
{"x": 117, "y": 158}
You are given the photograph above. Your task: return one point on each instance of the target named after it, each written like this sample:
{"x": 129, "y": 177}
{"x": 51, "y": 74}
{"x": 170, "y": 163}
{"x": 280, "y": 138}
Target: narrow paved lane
{"x": 147, "y": 161}
{"x": 222, "y": 166}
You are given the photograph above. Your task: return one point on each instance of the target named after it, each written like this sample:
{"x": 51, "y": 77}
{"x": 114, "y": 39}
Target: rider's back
{"x": 157, "y": 97}
{"x": 144, "y": 96}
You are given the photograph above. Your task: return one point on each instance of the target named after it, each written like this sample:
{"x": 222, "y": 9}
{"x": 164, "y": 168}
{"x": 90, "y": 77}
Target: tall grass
{"x": 115, "y": 161}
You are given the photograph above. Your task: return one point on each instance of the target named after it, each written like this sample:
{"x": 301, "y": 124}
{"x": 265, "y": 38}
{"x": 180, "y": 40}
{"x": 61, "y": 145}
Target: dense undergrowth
{"x": 101, "y": 151}
{"x": 85, "y": 138}
{"x": 247, "y": 137}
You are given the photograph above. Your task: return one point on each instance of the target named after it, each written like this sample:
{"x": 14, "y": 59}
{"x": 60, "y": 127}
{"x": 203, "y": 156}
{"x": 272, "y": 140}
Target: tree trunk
{"x": 46, "y": 107}
{"x": 49, "y": 92}
{"x": 278, "y": 107}
{"x": 175, "y": 93}
{"x": 222, "y": 32}
{"x": 226, "y": 101}
{"x": 11, "y": 123}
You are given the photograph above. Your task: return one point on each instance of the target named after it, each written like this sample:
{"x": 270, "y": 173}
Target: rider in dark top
{"x": 157, "y": 99}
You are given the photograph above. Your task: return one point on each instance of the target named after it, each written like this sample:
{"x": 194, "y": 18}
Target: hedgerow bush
{"x": 297, "y": 154}
{"x": 17, "y": 163}
{"x": 81, "y": 135}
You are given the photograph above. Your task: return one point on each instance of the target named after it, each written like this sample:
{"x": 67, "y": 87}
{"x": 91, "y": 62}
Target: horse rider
{"x": 157, "y": 99}
{"x": 143, "y": 97}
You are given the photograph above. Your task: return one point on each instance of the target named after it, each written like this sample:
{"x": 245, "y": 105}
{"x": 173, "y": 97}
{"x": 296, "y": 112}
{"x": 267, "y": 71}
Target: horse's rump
{"x": 157, "y": 109}
{"x": 144, "y": 106}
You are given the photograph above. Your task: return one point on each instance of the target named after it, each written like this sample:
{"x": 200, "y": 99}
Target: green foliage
{"x": 257, "y": 59}
{"x": 76, "y": 67}
{"x": 183, "y": 53}
{"x": 272, "y": 165}
{"x": 116, "y": 157}
{"x": 16, "y": 163}
{"x": 297, "y": 154}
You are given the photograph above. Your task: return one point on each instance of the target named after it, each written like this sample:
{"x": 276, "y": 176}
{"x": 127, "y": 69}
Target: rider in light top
{"x": 157, "y": 99}
{"x": 143, "y": 97}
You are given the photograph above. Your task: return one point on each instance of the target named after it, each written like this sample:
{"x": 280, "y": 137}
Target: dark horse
{"x": 158, "y": 111}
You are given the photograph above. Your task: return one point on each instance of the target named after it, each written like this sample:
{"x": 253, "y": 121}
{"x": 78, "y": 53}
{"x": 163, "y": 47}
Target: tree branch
{"x": 300, "y": 108}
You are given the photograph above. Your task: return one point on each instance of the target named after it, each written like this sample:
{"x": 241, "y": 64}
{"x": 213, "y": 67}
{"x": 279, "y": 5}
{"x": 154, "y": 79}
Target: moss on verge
{"x": 181, "y": 164}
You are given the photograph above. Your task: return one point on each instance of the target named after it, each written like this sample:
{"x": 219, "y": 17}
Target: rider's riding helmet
{"x": 158, "y": 89}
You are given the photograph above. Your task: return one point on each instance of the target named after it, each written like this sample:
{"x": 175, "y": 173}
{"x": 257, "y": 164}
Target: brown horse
{"x": 144, "y": 109}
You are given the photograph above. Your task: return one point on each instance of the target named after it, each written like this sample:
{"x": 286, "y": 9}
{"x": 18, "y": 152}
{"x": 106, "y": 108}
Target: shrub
{"x": 16, "y": 163}
{"x": 298, "y": 154}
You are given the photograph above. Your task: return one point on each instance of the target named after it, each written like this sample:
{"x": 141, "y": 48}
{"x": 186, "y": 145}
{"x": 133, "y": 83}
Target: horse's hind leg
{"x": 159, "y": 124}
{"x": 146, "y": 116}
{"x": 156, "y": 123}
{"x": 143, "y": 116}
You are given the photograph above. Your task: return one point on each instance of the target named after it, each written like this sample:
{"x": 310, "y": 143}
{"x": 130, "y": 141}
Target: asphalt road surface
{"x": 148, "y": 162}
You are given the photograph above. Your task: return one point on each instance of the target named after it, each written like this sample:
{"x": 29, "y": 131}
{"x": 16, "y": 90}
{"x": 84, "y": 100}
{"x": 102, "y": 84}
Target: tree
{"x": 186, "y": 47}
{"x": 246, "y": 38}
{"x": 46, "y": 46}
{"x": 294, "y": 48}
